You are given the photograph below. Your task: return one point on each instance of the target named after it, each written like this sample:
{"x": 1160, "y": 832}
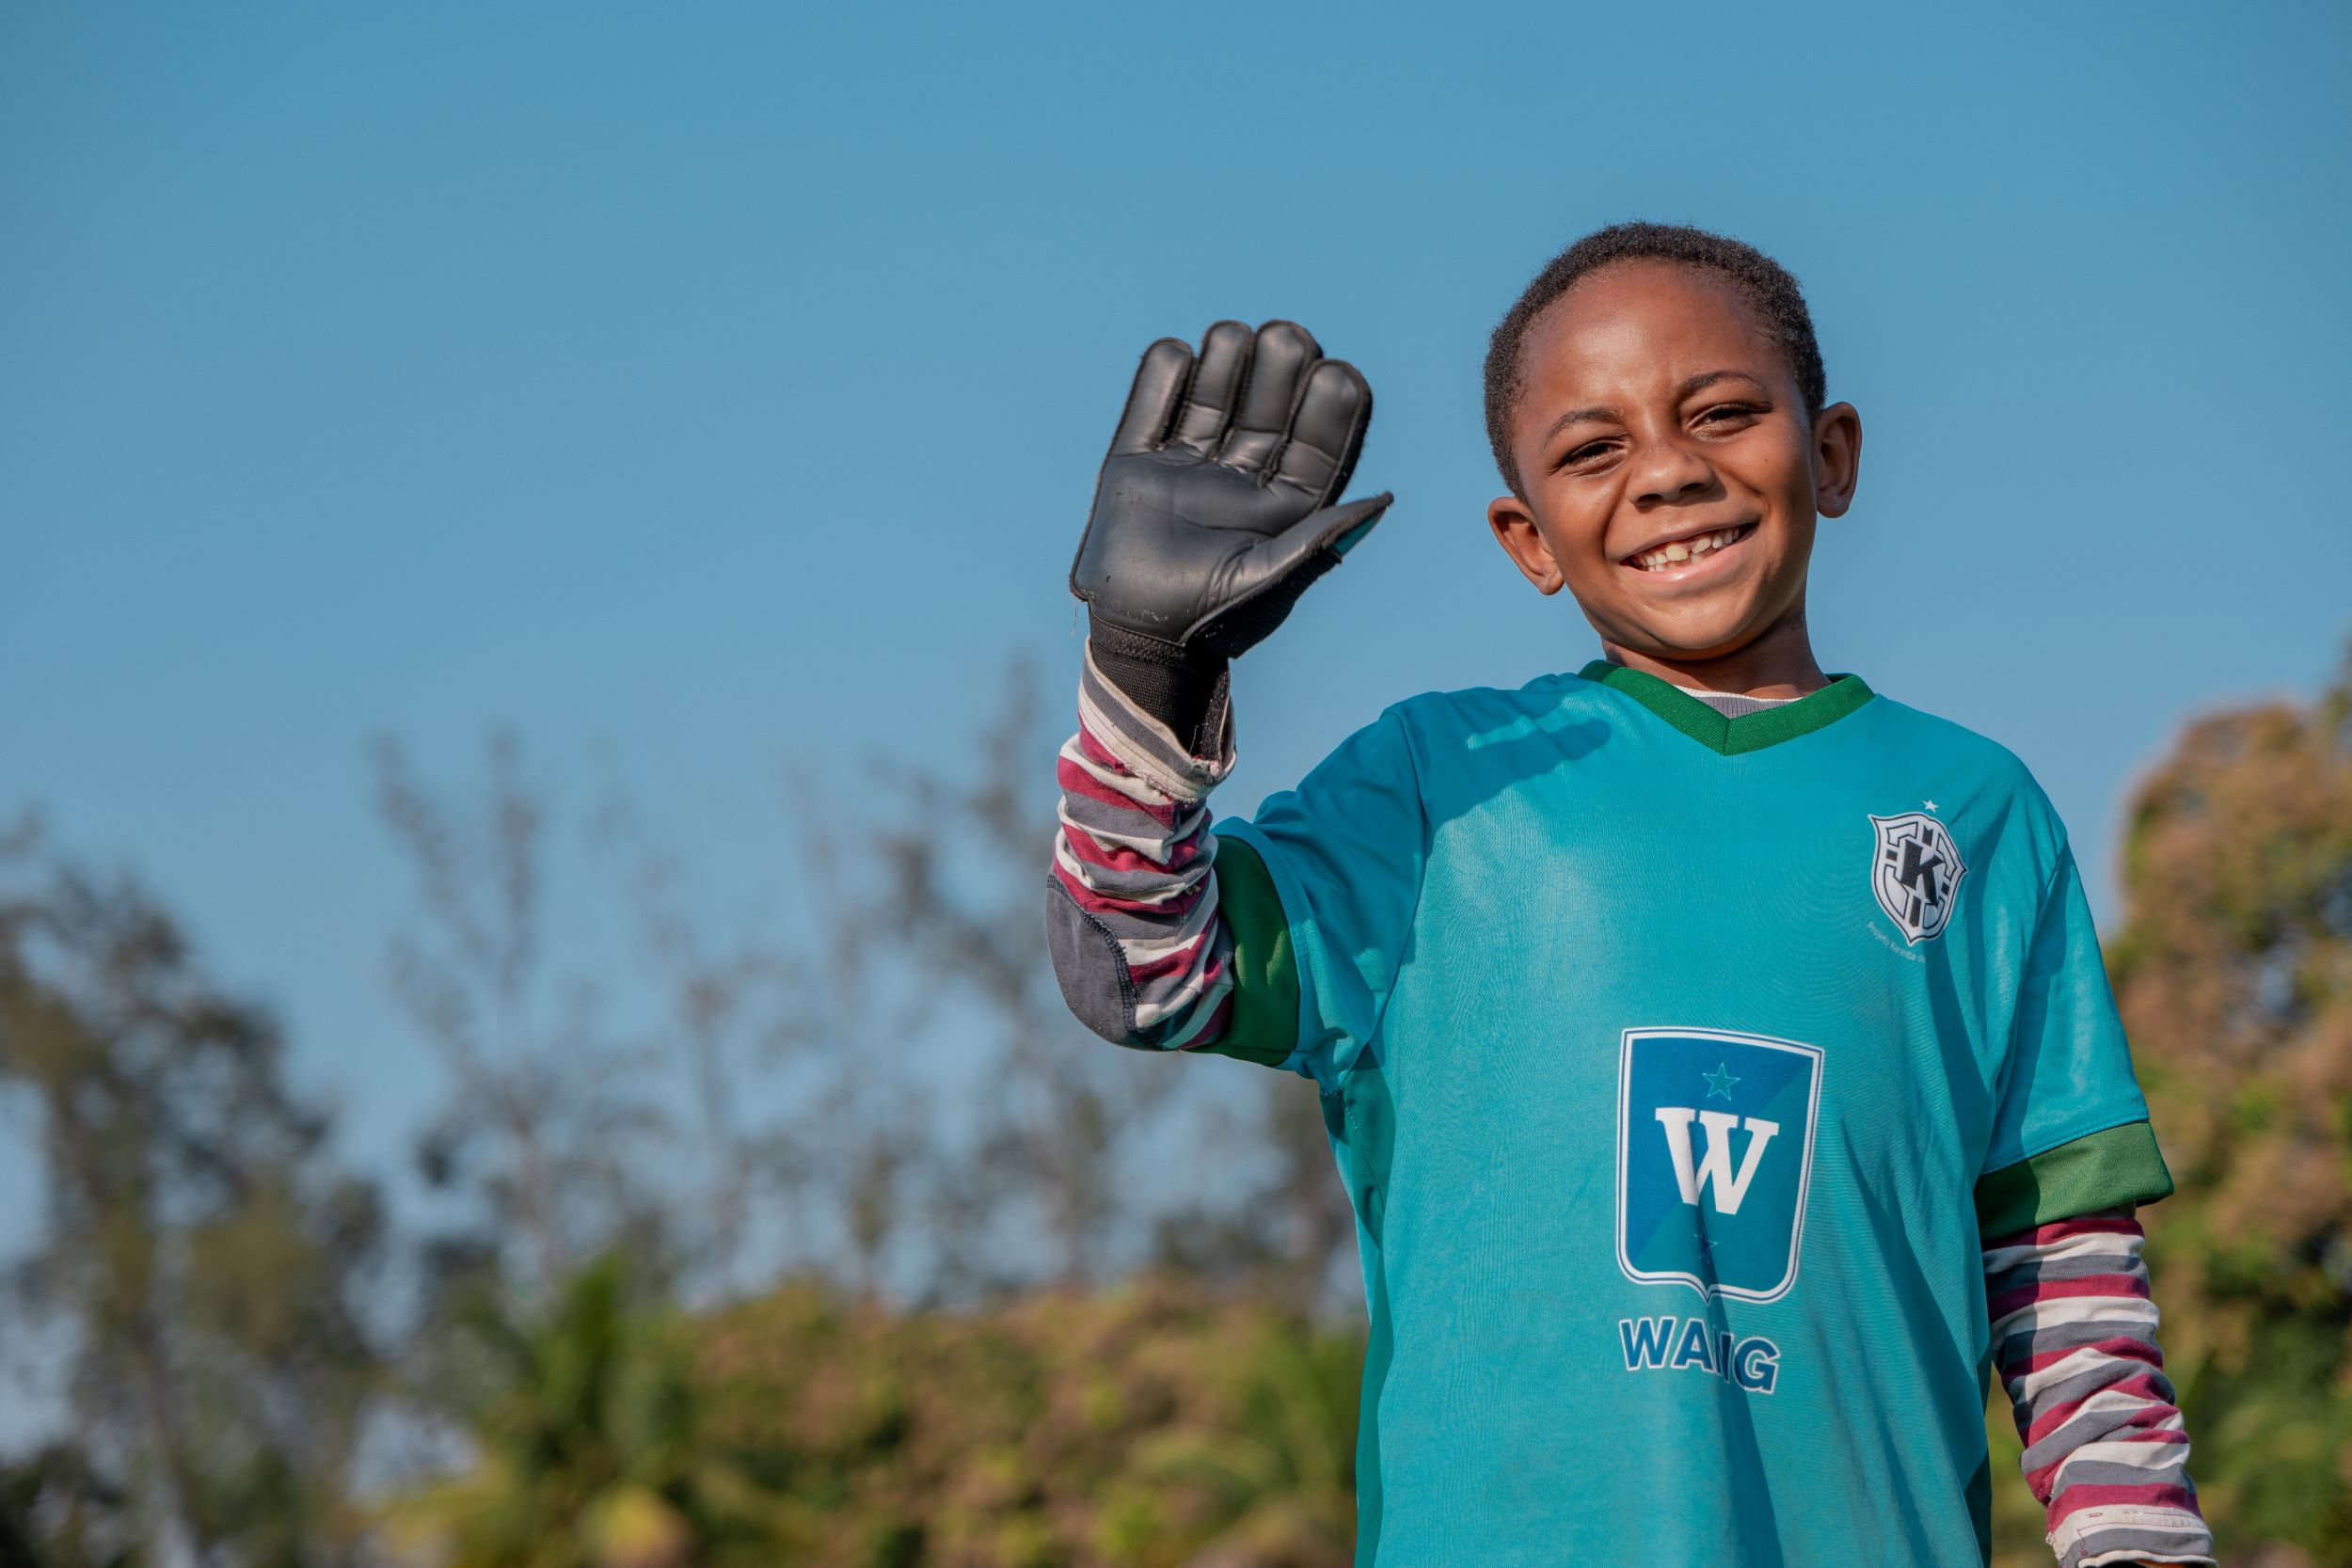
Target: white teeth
{"x": 1682, "y": 551}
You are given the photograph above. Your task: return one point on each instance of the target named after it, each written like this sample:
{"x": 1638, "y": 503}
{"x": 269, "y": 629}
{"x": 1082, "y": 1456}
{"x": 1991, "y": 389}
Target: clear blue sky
{"x": 727, "y": 381}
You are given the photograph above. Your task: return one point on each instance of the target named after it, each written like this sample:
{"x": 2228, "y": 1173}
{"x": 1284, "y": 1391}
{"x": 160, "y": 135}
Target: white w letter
{"x": 1715, "y": 1164}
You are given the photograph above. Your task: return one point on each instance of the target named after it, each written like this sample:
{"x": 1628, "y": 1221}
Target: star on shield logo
{"x": 1915, "y": 872}
{"x": 1714, "y": 1158}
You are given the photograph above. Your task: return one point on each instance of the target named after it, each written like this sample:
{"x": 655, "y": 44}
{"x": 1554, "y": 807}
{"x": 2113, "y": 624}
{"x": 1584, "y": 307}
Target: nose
{"x": 1666, "y": 470}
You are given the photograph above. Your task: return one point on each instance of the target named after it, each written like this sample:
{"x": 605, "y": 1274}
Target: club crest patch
{"x": 1714, "y": 1158}
{"x": 1916, "y": 871}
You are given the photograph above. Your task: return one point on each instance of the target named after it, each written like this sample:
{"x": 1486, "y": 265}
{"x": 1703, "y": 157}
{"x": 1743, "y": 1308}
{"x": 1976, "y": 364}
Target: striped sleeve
{"x": 1140, "y": 945}
{"x": 2073, "y": 1336}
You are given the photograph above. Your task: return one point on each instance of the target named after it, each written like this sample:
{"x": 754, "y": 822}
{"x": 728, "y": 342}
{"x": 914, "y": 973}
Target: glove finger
{"x": 1216, "y": 390}
{"x": 1285, "y": 352}
{"x": 1327, "y": 431}
{"x": 1152, "y": 402}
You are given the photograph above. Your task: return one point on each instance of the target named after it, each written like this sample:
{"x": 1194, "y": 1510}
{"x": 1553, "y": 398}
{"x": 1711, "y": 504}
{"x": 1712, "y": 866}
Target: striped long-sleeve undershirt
{"x": 1150, "y": 961}
{"x": 2074, "y": 1342}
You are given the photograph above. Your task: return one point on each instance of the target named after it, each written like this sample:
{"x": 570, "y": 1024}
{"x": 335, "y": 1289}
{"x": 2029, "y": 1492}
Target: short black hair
{"x": 1767, "y": 286}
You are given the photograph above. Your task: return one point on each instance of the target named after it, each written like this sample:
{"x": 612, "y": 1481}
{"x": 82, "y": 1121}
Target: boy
{"x": 1717, "y": 1054}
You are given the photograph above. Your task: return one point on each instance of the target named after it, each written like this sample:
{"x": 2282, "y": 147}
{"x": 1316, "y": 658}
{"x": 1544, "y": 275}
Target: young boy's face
{"x": 1672, "y": 476}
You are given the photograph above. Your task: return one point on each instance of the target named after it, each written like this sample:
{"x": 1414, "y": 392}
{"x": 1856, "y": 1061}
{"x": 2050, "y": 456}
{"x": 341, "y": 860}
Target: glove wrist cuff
{"x": 1184, "y": 689}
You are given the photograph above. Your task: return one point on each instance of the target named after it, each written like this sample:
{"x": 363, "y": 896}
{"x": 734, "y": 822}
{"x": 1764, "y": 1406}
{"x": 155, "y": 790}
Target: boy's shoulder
{"x": 1472, "y": 710}
{"x": 1951, "y": 744}
{"x": 1474, "y": 718}
{"x": 1889, "y": 730}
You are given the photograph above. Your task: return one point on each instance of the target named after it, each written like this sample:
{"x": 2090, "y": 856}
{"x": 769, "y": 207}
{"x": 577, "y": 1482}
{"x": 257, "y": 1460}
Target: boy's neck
{"x": 1778, "y": 664}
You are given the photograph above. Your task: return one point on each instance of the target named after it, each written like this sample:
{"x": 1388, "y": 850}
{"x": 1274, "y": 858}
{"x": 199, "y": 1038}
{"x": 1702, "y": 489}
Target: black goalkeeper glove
{"x": 1214, "y": 511}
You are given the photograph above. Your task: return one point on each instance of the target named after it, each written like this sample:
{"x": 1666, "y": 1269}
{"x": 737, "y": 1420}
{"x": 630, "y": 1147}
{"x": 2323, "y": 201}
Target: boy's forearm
{"x": 1138, "y": 945}
{"x": 2075, "y": 1341}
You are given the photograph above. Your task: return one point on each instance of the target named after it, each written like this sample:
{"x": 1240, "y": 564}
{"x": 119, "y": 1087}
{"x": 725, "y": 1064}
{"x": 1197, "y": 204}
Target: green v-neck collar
{"x": 1750, "y": 732}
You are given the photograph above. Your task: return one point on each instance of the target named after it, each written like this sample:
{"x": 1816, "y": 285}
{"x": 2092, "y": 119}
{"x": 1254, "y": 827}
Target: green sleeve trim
{"x": 2103, "y": 1170}
{"x": 1264, "y": 1024}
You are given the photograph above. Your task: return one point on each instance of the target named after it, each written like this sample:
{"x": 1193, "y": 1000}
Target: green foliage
{"x": 2234, "y": 972}
{"x": 588, "y": 1450}
{"x": 1151, "y": 1426}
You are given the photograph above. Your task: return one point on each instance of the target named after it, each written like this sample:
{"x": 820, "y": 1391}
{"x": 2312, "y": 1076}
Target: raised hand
{"x": 1214, "y": 511}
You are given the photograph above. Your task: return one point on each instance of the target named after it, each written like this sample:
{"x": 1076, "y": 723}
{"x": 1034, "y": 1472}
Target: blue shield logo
{"x": 1714, "y": 1158}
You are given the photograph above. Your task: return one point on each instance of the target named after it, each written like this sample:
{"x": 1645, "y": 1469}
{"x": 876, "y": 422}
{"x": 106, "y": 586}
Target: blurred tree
{"x": 690, "y": 1136}
{"x": 963, "y": 866}
{"x": 747, "y": 1130}
{"x": 742, "y": 1017}
{"x": 868, "y": 1138}
{"x": 199, "y": 1245}
{"x": 546, "y": 1124}
{"x": 2233, "y": 971}
{"x": 56, "y": 1512}
{"x": 1076, "y": 1147}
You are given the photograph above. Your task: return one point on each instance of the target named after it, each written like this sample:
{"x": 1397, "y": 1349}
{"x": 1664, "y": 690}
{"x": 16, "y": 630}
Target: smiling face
{"x": 1672, "y": 476}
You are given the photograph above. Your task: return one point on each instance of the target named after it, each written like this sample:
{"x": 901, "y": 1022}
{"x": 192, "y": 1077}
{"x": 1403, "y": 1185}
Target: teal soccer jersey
{"x": 1675, "y": 1065}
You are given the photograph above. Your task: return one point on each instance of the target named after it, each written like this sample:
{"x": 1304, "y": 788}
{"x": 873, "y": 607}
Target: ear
{"x": 1515, "y": 529}
{"x": 1837, "y": 459}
